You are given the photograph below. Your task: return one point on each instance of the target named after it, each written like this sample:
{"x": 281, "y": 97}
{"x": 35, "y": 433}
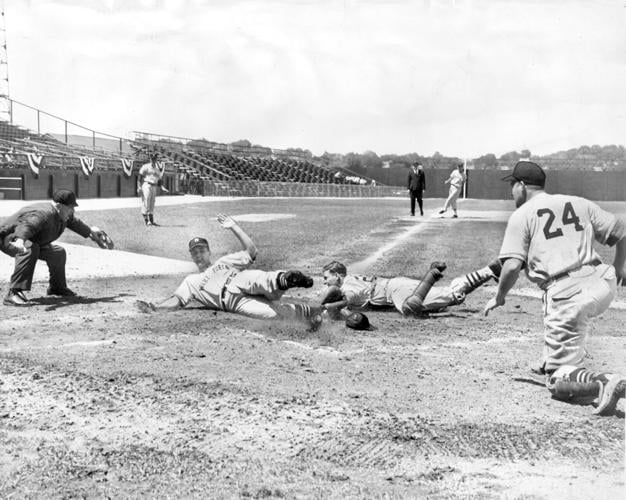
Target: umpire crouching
{"x": 28, "y": 235}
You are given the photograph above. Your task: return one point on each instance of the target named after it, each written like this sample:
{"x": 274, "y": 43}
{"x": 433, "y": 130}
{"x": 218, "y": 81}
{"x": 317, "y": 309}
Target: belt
{"x": 223, "y": 292}
{"x": 558, "y": 277}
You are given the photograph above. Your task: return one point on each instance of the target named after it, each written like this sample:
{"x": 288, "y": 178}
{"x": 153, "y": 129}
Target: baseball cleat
{"x": 60, "y": 292}
{"x": 16, "y": 298}
{"x": 297, "y": 279}
{"x": 611, "y": 393}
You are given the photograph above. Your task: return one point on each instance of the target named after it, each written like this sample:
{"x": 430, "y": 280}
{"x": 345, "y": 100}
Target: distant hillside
{"x": 112, "y": 145}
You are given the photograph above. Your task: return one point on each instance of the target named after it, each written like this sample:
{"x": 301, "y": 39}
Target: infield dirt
{"x": 98, "y": 400}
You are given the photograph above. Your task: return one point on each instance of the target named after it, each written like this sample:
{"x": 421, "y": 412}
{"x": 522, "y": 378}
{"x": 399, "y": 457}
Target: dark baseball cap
{"x": 527, "y": 172}
{"x": 358, "y": 321}
{"x": 65, "y": 197}
{"x": 197, "y": 242}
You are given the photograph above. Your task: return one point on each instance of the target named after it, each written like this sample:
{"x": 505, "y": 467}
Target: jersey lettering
{"x": 569, "y": 217}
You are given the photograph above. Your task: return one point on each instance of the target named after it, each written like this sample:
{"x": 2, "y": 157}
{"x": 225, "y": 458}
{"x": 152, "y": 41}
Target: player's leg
{"x": 468, "y": 283}
{"x": 150, "y": 202}
{"x": 420, "y": 202}
{"x": 412, "y": 194}
{"x": 145, "y": 192}
{"x": 262, "y": 308}
{"x": 22, "y": 277}
{"x": 55, "y": 257}
{"x": 408, "y": 295}
{"x": 449, "y": 200}
{"x": 454, "y": 197}
{"x": 271, "y": 285}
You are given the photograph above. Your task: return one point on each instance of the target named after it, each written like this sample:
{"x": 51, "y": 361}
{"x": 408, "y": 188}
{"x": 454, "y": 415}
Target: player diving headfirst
{"x": 228, "y": 285}
{"x": 409, "y": 296}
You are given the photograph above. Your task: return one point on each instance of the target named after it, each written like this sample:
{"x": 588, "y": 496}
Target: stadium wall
{"x": 22, "y": 184}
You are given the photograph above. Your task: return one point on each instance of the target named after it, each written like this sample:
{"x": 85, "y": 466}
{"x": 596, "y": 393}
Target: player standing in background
{"x": 147, "y": 183}
{"x": 416, "y": 185}
{"x": 456, "y": 181}
{"x": 409, "y": 296}
{"x": 228, "y": 285}
{"x": 551, "y": 236}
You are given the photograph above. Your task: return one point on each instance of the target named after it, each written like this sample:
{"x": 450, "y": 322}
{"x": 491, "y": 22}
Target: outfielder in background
{"x": 228, "y": 285}
{"x": 551, "y": 237}
{"x": 409, "y": 296}
{"x": 150, "y": 178}
{"x": 456, "y": 181}
{"x": 416, "y": 184}
{"x": 28, "y": 235}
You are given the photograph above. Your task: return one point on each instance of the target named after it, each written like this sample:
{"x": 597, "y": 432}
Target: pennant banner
{"x": 127, "y": 166}
{"x": 161, "y": 167}
{"x": 87, "y": 165}
{"x": 34, "y": 162}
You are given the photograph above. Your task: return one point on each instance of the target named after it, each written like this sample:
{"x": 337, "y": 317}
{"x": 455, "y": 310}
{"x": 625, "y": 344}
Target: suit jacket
{"x": 417, "y": 181}
{"x": 39, "y": 223}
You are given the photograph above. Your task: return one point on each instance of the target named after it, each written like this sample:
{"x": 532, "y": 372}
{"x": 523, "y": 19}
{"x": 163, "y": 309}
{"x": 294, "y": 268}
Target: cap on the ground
{"x": 527, "y": 172}
{"x": 358, "y": 321}
{"x": 65, "y": 197}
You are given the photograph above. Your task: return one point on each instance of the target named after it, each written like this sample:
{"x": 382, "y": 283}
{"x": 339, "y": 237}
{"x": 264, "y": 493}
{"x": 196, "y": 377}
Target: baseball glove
{"x": 101, "y": 238}
{"x": 145, "y": 307}
{"x": 333, "y": 294}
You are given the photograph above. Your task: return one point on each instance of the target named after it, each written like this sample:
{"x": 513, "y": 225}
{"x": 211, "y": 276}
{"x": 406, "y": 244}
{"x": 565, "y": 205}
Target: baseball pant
{"x": 148, "y": 197}
{"x": 53, "y": 255}
{"x": 252, "y": 293}
{"x": 400, "y": 289}
{"x": 569, "y": 305}
{"x": 416, "y": 195}
{"x": 453, "y": 194}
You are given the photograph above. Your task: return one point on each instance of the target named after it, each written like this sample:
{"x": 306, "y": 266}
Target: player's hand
{"x": 19, "y": 246}
{"x": 492, "y": 304}
{"x": 226, "y": 221}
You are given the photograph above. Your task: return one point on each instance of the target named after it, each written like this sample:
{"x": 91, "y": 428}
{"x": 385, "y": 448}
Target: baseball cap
{"x": 65, "y": 197}
{"x": 197, "y": 242}
{"x": 358, "y": 321}
{"x": 527, "y": 172}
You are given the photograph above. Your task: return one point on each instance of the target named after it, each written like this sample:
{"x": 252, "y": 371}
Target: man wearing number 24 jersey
{"x": 550, "y": 236}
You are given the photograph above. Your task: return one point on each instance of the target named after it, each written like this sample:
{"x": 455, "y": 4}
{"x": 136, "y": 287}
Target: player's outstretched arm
{"x": 227, "y": 222}
{"x": 508, "y": 277}
{"x": 169, "y": 304}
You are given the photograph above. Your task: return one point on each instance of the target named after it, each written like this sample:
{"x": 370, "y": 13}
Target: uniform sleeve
{"x": 607, "y": 228}
{"x": 239, "y": 260}
{"x": 184, "y": 293}
{"x": 516, "y": 238}
{"x": 78, "y": 226}
{"x": 29, "y": 224}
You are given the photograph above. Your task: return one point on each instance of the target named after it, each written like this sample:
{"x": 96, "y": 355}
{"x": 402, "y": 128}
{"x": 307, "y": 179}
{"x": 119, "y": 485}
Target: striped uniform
{"x": 553, "y": 236}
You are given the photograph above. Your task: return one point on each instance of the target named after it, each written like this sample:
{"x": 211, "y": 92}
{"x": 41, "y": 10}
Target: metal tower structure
{"x": 5, "y": 105}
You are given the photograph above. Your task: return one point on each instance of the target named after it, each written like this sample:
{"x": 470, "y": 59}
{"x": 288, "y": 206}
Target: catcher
{"x": 409, "y": 296}
{"x": 228, "y": 285}
{"x": 28, "y": 235}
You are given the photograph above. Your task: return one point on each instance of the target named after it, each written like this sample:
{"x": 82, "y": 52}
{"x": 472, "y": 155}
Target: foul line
{"x": 363, "y": 265}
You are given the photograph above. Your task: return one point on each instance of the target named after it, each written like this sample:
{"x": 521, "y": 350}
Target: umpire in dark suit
{"x": 28, "y": 235}
{"x": 416, "y": 186}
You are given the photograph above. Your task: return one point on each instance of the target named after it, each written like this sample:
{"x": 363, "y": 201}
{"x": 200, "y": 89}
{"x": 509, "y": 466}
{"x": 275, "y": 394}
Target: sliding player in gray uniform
{"x": 409, "y": 296}
{"x": 228, "y": 284}
{"x": 551, "y": 237}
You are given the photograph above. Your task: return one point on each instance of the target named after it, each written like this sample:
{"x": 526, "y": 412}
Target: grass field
{"x": 98, "y": 400}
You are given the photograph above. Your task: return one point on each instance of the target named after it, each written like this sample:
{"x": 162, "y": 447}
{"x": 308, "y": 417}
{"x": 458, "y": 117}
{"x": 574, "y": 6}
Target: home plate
{"x": 85, "y": 262}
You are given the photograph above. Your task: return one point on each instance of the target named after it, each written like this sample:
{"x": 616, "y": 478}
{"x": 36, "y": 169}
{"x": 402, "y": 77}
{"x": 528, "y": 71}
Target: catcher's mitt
{"x": 145, "y": 307}
{"x": 101, "y": 238}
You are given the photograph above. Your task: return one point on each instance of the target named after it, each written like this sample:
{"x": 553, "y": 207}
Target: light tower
{"x": 5, "y": 105}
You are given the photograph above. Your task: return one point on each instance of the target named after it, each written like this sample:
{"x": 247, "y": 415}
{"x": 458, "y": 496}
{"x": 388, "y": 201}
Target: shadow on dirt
{"x": 54, "y": 303}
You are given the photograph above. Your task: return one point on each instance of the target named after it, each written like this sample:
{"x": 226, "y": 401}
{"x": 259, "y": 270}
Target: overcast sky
{"x": 463, "y": 78}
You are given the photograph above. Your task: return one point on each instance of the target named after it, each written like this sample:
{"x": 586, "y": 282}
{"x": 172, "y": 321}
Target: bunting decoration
{"x": 127, "y": 166}
{"x": 87, "y": 165}
{"x": 35, "y": 162}
{"x": 160, "y": 165}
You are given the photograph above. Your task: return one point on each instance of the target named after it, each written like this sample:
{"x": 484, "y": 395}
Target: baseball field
{"x": 98, "y": 400}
